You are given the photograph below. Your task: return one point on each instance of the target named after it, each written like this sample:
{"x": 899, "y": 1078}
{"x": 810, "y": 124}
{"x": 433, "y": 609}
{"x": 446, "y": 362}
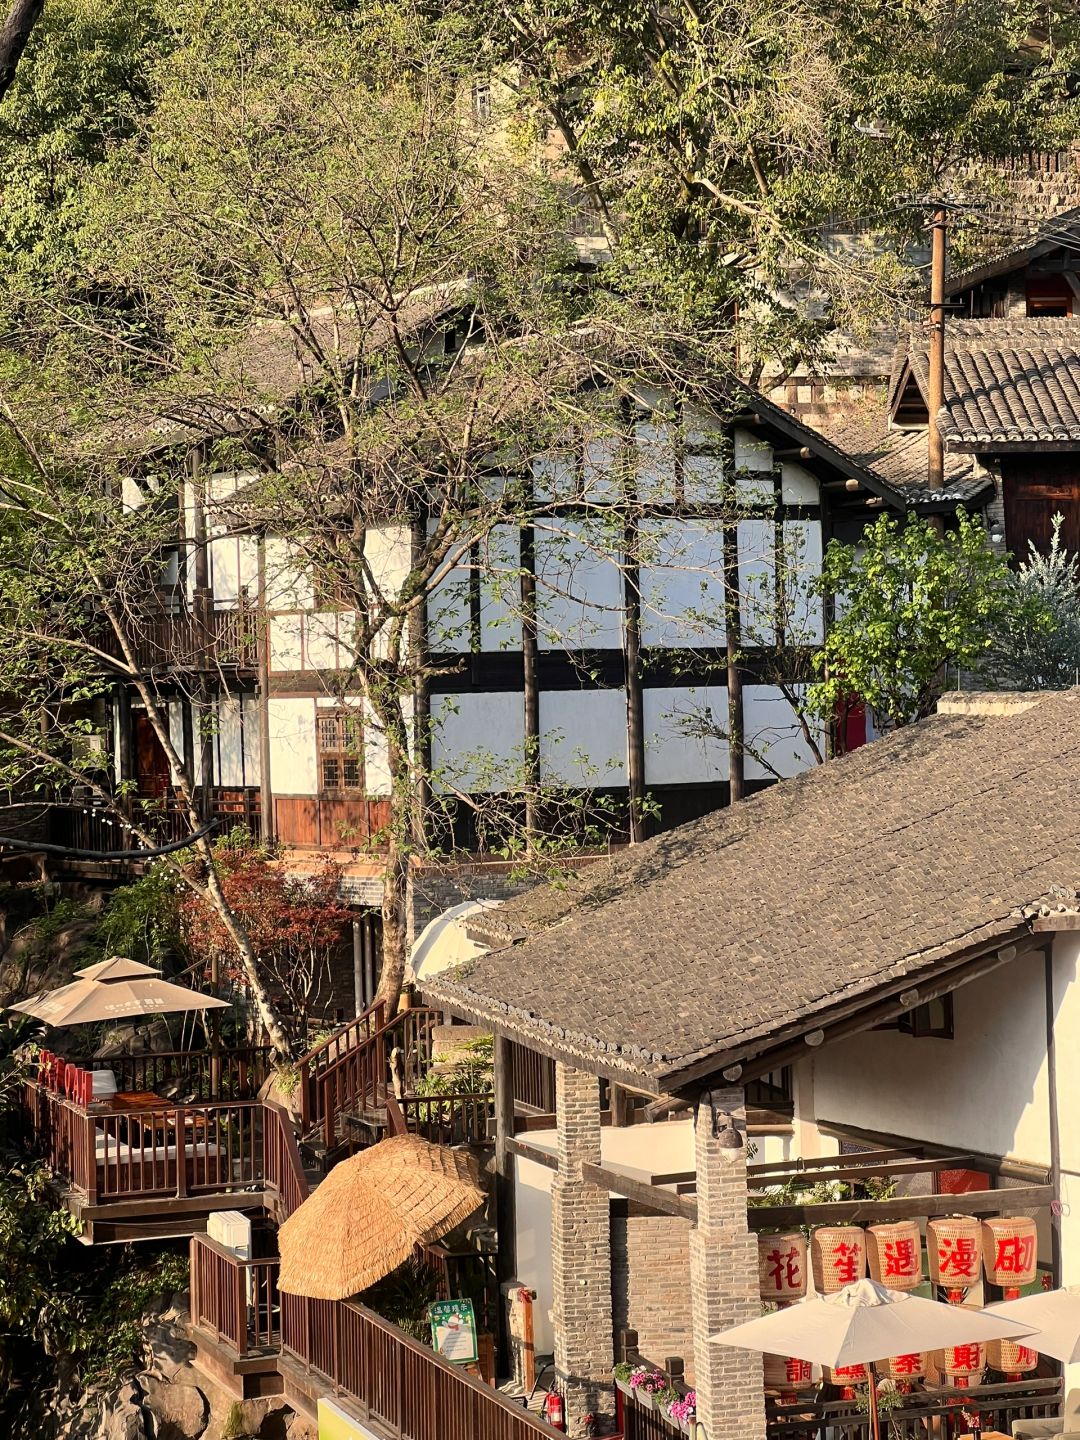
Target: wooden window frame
{"x": 341, "y": 753}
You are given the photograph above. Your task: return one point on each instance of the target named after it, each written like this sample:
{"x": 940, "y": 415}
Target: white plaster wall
{"x": 802, "y": 566}
{"x": 228, "y": 742}
{"x": 478, "y": 740}
{"x": 579, "y": 592}
{"x": 753, "y": 465}
{"x": 252, "y": 754}
{"x": 654, "y": 460}
{"x": 293, "y": 766}
{"x": 986, "y": 1089}
{"x": 673, "y": 757}
{"x": 583, "y": 736}
{"x": 1067, "y": 1064}
{"x": 770, "y": 726}
{"x": 286, "y": 642}
{"x": 682, "y": 589}
{"x": 757, "y": 581}
{"x": 532, "y": 1221}
{"x": 798, "y": 486}
{"x": 287, "y": 585}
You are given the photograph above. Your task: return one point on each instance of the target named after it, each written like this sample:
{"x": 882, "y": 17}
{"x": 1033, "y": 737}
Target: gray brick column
{"x": 724, "y": 1282}
{"x": 581, "y": 1256}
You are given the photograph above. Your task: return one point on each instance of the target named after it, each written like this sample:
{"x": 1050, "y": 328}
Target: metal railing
{"x": 236, "y": 1301}
{"x": 401, "y": 1385}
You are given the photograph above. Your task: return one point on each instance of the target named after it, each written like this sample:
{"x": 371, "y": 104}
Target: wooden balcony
{"x": 162, "y": 642}
{"x": 131, "y": 1172}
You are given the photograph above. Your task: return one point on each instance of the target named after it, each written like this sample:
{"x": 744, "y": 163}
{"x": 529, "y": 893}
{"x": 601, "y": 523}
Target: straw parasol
{"x": 114, "y": 989}
{"x": 365, "y": 1218}
{"x": 866, "y": 1322}
{"x": 1054, "y": 1316}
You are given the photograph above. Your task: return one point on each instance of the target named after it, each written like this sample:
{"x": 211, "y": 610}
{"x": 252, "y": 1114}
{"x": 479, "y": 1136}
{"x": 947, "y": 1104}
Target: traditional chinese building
{"x": 737, "y": 1005}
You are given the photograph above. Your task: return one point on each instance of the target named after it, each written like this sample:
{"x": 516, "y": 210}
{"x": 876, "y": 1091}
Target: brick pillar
{"x": 723, "y": 1281}
{"x": 581, "y": 1256}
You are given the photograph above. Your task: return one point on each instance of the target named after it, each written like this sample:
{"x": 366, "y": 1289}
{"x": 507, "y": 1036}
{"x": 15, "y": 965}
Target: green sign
{"x": 453, "y": 1330}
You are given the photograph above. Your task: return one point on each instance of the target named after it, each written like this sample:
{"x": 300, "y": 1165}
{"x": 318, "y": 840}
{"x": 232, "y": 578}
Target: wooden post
{"x": 531, "y": 685}
{"x": 635, "y": 718}
{"x": 504, "y": 1186}
{"x": 358, "y": 967}
{"x": 181, "y": 1150}
{"x": 936, "y": 379}
{"x": 262, "y": 643}
{"x": 90, "y": 1141}
{"x": 733, "y": 627}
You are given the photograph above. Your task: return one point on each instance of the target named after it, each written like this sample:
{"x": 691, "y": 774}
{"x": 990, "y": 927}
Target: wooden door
{"x": 151, "y": 762}
{"x": 1035, "y": 489}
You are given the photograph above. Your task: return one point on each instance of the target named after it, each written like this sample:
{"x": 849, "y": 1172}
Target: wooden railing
{"x": 534, "y": 1079}
{"x": 997, "y": 1405}
{"x": 281, "y": 1163}
{"x": 181, "y": 642}
{"x": 450, "y": 1119}
{"x": 235, "y": 1300}
{"x": 93, "y": 827}
{"x": 349, "y": 1073}
{"x": 242, "y": 1071}
{"x": 401, "y": 1385}
{"x": 174, "y": 1150}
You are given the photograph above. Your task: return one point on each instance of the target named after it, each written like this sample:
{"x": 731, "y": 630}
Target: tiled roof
{"x": 1042, "y": 238}
{"x": 705, "y": 942}
{"x": 1008, "y": 382}
{"x": 900, "y": 457}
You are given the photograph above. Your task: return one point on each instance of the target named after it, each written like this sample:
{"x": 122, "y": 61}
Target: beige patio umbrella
{"x": 367, "y": 1215}
{"x": 1054, "y": 1317}
{"x": 866, "y": 1322}
{"x": 114, "y": 989}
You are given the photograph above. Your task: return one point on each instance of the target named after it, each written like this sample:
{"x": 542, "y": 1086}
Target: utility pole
{"x": 936, "y": 385}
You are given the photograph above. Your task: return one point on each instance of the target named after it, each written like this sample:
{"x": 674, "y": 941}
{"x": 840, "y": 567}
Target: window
{"x": 934, "y": 1020}
{"x": 1050, "y": 298}
{"x": 481, "y": 102}
{"x": 341, "y": 750}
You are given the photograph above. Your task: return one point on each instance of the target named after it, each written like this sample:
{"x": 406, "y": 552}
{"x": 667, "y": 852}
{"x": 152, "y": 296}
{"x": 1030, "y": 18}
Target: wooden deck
{"x": 157, "y": 1171}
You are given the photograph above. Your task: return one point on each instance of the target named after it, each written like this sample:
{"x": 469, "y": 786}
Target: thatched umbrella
{"x": 367, "y": 1215}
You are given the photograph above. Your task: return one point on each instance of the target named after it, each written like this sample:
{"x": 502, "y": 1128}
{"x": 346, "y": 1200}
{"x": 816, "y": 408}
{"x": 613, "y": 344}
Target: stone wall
{"x": 650, "y": 1282}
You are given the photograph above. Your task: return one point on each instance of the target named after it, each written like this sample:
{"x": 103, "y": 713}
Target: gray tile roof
{"x": 706, "y": 941}
{"x": 1040, "y": 238}
{"x": 899, "y": 457}
{"x": 1008, "y": 382}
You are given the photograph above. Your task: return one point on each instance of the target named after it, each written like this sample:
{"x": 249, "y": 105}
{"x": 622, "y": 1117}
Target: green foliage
{"x": 910, "y": 602}
{"x": 471, "y": 1073}
{"x": 112, "y": 1332}
{"x": 142, "y": 919}
{"x": 404, "y": 1296}
{"x": 1037, "y": 646}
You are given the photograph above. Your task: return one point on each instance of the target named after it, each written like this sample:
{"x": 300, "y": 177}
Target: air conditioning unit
{"x": 232, "y": 1230}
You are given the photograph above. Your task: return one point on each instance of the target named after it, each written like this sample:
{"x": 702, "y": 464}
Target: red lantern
{"x": 782, "y": 1267}
{"x": 954, "y": 1251}
{"x": 785, "y": 1373}
{"x": 895, "y": 1255}
{"x": 1010, "y": 1246}
{"x": 907, "y": 1367}
{"x": 962, "y": 1365}
{"x": 838, "y": 1256}
{"x": 1011, "y": 1358}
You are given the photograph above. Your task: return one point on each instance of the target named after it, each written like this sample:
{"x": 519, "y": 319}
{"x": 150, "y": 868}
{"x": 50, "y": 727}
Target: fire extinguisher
{"x": 553, "y": 1410}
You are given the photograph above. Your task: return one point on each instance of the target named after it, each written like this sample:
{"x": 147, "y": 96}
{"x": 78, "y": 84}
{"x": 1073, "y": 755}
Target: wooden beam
{"x": 533, "y": 1153}
{"x": 823, "y": 1162}
{"x": 1055, "y": 924}
{"x": 914, "y": 1207}
{"x": 992, "y": 1164}
{"x": 640, "y": 1192}
{"x": 854, "y": 1171}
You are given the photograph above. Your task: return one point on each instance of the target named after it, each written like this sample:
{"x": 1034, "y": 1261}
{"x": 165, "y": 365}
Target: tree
{"x": 909, "y": 602}
{"x": 718, "y": 144}
{"x": 1038, "y": 644}
{"x": 15, "y": 34}
{"x": 297, "y": 926}
{"x": 313, "y": 259}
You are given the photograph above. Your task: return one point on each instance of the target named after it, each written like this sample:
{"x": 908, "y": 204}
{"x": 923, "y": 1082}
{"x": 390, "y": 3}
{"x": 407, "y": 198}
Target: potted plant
{"x": 649, "y": 1386}
{"x": 684, "y": 1411}
{"x": 621, "y": 1375}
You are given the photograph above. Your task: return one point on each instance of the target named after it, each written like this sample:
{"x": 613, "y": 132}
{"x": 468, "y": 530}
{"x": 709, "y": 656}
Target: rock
{"x": 166, "y": 1351}
{"x": 177, "y": 1412}
{"x": 267, "y": 1418}
{"x": 123, "y": 1417}
{"x": 301, "y": 1428}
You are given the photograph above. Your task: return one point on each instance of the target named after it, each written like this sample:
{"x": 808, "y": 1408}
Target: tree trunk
{"x": 16, "y": 32}
{"x": 395, "y": 899}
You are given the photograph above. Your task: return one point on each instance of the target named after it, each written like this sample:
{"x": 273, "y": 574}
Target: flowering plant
{"x": 685, "y": 1408}
{"x": 650, "y": 1382}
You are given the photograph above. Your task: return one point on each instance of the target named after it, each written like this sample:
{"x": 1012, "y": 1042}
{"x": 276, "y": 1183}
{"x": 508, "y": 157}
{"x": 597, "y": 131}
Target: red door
{"x": 151, "y": 762}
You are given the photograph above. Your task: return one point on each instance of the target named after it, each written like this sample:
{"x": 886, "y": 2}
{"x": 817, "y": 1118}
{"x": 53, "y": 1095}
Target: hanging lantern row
{"x": 959, "y": 1249}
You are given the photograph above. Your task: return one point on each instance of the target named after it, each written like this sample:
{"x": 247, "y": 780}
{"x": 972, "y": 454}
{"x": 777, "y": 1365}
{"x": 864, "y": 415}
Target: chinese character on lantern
{"x": 1026, "y": 1358}
{"x": 797, "y": 1372}
{"x": 784, "y": 1269}
{"x": 849, "y": 1372}
{"x": 967, "y": 1357}
{"x": 958, "y": 1257}
{"x": 907, "y": 1365}
{"x": 1014, "y": 1254}
{"x": 846, "y": 1261}
{"x": 900, "y": 1259}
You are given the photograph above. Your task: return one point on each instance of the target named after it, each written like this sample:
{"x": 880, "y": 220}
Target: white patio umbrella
{"x": 114, "y": 989}
{"x": 1054, "y": 1317}
{"x": 864, "y": 1323}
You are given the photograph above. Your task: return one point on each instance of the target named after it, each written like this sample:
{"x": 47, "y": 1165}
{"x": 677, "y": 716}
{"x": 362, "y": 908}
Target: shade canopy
{"x": 1054, "y": 1317}
{"x": 114, "y": 989}
{"x": 369, "y": 1213}
{"x": 444, "y": 941}
{"x": 865, "y": 1322}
